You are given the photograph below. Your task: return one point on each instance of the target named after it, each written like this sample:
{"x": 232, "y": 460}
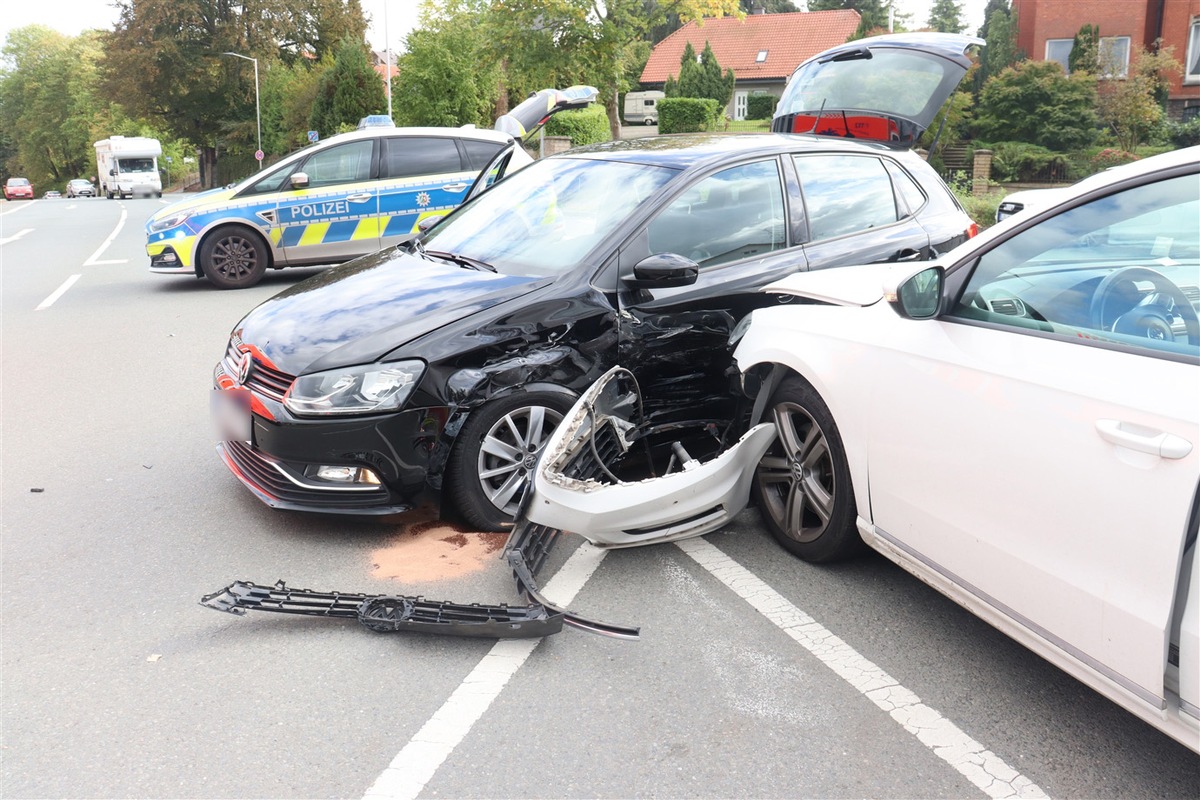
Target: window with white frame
{"x": 1114, "y": 56}
{"x": 1060, "y": 50}
{"x": 1191, "y": 72}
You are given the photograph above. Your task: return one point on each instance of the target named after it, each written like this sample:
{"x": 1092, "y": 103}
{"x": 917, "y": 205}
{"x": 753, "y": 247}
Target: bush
{"x": 1184, "y": 134}
{"x": 980, "y": 208}
{"x": 687, "y": 114}
{"x": 1018, "y": 161}
{"x": 584, "y": 126}
{"x": 761, "y": 105}
{"x": 1111, "y": 157}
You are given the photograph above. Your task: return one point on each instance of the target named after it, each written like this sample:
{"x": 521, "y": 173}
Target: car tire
{"x": 495, "y": 453}
{"x": 233, "y": 257}
{"x": 802, "y": 484}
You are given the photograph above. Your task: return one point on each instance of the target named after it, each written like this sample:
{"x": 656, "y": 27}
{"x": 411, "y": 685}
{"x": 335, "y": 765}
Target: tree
{"x": 446, "y": 76}
{"x": 50, "y": 107}
{"x": 1130, "y": 108}
{"x": 701, "y": 77}
{"x": 946, "y": 16}
{"x": 768, "y": 6}
{"x": 348, "y": 92}
{"x": 1085, "y": 50}
{"x": 988, "y": 11}
{"x": 874, "y": 13}
{"x": 597, "y": 39}
{"x": 1036, "y": 102}
{"x": 164, "y": 61}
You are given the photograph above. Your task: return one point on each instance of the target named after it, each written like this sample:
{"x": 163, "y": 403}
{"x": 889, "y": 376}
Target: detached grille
{"x": 260, "y": 472}
{"x": 262, "y": 379}
{"x": 584, "y": 466}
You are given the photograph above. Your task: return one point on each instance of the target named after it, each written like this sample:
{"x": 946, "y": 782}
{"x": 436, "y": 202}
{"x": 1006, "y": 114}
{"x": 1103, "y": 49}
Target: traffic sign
{"x": 312, "y": 136}
{"x": 258, "y": 155}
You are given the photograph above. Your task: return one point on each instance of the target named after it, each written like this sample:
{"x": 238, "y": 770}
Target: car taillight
{"x": 973, "y": 230}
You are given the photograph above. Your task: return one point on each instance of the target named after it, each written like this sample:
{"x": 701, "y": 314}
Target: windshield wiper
{"x": 462, "y": 261}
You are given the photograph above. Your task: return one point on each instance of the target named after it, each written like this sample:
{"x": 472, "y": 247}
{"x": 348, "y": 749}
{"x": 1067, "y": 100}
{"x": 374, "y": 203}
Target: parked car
{"x": 446, "y": 362}
{"x": 339, "y": 199}
{"x": 52, "y": 194}
{"x": 80, "y": 188}
{"x": 18, "y": 188}
{"x": 1017, "y": 424}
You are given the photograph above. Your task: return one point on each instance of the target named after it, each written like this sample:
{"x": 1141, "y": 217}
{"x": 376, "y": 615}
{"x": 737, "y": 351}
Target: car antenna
{"x": 846, "y": 124}
{"x": 938, "y": 135}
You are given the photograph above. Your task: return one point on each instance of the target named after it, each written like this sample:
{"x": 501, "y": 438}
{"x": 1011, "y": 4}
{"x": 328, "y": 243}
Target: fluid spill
{"x": 435, "y": 551}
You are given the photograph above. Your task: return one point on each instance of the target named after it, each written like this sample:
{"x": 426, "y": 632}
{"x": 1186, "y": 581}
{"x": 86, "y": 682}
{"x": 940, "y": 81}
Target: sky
{"x": 73, "y": 16}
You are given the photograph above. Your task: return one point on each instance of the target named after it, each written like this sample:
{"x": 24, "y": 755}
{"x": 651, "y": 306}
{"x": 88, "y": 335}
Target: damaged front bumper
{"x": 593, "y": 480}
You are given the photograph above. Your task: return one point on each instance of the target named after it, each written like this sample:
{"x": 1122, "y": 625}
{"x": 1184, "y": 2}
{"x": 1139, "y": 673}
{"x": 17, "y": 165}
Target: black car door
{"x": 733, "y": 224}
{"x": 853, "y": 213}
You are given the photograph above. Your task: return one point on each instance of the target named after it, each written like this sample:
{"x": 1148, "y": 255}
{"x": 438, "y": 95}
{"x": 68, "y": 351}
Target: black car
{"x": 444, "y": 363}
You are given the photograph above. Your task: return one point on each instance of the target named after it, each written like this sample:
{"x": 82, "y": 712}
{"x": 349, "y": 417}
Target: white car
{"x": 1017, "y": 423}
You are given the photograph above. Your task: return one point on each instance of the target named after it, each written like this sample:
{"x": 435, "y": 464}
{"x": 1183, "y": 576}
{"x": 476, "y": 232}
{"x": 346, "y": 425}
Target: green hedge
{"x": 1018, "y": 161}
{"x": 687, "y": 114}
{"x": 585, "y": 126}
{"x": 761, "y": 105}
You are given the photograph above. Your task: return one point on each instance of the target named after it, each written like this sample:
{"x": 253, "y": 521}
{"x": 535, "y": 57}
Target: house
{"x": 763, "y": 50}
{"x": 1046, "y": 30}
{"x": 384, "y": 64}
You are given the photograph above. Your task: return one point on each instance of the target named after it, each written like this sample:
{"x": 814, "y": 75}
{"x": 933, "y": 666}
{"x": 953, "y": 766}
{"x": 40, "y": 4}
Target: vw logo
{"x": 243, "y": 367}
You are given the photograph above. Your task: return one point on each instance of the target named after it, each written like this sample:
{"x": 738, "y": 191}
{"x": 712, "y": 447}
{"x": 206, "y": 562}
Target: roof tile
{"x": 789, "y": 40}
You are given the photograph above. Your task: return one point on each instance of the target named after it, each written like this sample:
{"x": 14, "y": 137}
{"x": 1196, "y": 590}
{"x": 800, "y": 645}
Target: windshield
{"x": 897, "y": 82}
{"x": 546, "y": 218}
{"x": 136, "y": 164}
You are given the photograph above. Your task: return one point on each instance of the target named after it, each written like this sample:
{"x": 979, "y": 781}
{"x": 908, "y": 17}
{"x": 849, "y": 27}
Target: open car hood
{"x": 885, "y": 88}
{"x": 528, "y": 117}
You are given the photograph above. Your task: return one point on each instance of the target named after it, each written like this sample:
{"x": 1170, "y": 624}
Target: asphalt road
{"x": 756, "y": 675}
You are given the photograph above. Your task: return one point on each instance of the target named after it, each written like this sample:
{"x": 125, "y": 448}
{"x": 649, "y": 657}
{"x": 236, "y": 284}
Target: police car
{"x": 350, "y": 195}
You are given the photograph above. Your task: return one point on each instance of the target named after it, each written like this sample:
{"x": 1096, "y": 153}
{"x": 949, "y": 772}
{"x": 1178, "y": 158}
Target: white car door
{"x": 1043, "y": 448}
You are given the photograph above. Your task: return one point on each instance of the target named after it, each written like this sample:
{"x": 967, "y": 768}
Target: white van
{"x": 641, "y": 108}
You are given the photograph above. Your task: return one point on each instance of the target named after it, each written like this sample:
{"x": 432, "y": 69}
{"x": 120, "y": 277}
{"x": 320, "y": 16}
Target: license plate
{"x": 231, "y": 414}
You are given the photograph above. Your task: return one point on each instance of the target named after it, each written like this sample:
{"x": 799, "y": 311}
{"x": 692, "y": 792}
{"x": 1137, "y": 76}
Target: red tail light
{"x": 973, "y": 230}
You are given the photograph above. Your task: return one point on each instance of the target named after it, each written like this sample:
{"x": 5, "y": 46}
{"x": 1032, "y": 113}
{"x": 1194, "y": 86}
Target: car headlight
{"x": 739, "y": 330}
{"x": 167, "y": 222}
{"x": 367, "y": 389}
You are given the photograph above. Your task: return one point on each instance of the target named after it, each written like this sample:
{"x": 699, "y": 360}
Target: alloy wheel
{"x": 510, "y": 451}
{"x": 796, "y": 476}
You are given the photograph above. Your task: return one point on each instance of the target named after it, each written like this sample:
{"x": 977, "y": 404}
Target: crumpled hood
{"x": 359, "y": 312}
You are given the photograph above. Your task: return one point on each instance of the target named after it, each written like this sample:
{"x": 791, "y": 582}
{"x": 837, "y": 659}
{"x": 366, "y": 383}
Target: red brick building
{"x": 763, "y": 50}
{"x": 1047, "y": 28}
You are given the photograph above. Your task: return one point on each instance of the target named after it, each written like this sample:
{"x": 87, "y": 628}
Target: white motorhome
{"x": 128, "y": 166}
{"x": 641, "y": 108}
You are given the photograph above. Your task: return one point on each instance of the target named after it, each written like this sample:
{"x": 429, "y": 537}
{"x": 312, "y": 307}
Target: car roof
{"x": 681, "y": 151}
{"x": 468, "y": 132}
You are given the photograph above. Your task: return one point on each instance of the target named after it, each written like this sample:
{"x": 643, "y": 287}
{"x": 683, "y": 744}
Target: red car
{"x": 17, "y": 188}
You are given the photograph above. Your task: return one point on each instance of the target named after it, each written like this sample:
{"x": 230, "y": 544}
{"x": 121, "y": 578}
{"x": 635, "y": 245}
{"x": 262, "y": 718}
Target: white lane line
{"x": 416, "y": 763}
{"x": 15, "y": 207}
{"x": 16, "y": 236}
{"x": 970, "y": 758}
{"x": 92, "y": 262}
{"x": 59, "y": 292}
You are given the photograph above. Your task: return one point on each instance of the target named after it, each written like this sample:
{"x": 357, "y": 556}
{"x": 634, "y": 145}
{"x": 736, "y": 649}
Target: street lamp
{"x": 257, "y": 107}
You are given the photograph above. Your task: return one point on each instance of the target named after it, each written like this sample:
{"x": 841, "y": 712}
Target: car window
{"x": 544, "y": 219}
{"x": 1122, "y": 269}
{"x": 910, "y": 194}
{"x": 844, "y": 194}
{"x": 343, "y": 163}
{"x": 734, "y": 214}
{"x": 414, "y": 156}
{"x": 480, "y": 154}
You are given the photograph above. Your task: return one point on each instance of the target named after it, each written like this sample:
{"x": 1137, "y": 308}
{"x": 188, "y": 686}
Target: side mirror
{"x": 663, "y": 271}
{"x": 112, "y": 172}
{"x": 299, "y": 180}
{"x": 918, "y": 296}
{"x": 428, "y": 222}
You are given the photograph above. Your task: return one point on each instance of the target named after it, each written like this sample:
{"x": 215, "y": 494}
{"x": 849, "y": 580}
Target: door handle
{"x": 359, "y": 198}
{"x": 908, "y": 255}
{"x": 454, "y": 187}
{"x": 1144, "y": 440}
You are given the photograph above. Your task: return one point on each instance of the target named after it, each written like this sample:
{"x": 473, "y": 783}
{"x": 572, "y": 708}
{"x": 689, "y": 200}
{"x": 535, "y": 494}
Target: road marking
{"x": 16, "y": 236}
{"x": 92, "y": 260}
{"x": 971, "y": 759}
{"x": 59, "y": 292}
{"x": 15, "y": 208}
{"x": 416, "y": 763}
